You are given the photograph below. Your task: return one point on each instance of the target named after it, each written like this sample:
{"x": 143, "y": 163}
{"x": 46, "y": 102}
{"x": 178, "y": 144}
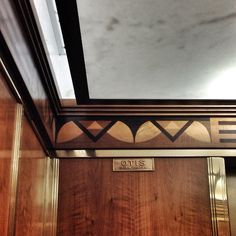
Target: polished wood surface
{"x": 172, "y": 200}
{"x": 231, "y": 187}
{"x": 7, "y": 124}
{"x": 31, "y": 88}
{"x": 31, "y": 185}
{"x": 27, "y": 176}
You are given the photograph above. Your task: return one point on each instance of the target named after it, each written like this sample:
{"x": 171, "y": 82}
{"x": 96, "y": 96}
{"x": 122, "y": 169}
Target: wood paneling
{"x": 31, "y": 185}
{"x": 30, "y": 197}
{"x": 27, "y": 184}
{"x": 7, "y": 116}
{"x": 5, "y": 173}
{"x": 231, "y": 186}
{"x": 7, "y": 124}
{"x": 172, "y": 200}
{"x": 17, "y": 42}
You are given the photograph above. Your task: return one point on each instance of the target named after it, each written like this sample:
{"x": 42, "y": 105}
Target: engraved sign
{"x": 133, "y": 164}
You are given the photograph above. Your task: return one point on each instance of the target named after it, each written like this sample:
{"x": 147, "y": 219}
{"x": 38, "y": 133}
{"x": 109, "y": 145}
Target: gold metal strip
{"x": 146, "y": 153}
{"x": 51, "y": 196}
{"x": 55, "y": 195}
{"x": 14, "y": 169}
{"x": 218, "y": 196}
{"x": 47, "y": 196}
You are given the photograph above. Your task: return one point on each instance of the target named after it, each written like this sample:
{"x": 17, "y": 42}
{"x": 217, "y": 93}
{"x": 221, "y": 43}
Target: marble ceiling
{"x": 159, "y": 49}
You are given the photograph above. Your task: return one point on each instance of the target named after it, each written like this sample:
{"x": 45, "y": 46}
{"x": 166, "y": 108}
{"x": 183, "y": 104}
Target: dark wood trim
{"x": 26, "y": 16}
{"x": 144, "y": 102}
{"x": 230, "y": 163}
{"x": 25, "y": 97}
{"x": 150, "y": 110}
{"x": 68, "y": 15}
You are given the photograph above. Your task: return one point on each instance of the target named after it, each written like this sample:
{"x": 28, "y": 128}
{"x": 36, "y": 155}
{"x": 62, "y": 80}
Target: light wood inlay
{"x": 68, "y": 132}
{"x": 198, "y": 132}
{"x": 146, "y": 132}
{"x": 121, "y": 132}
{"x": 172, "y": 127}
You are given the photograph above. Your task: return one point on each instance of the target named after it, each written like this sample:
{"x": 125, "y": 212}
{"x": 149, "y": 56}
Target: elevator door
{"x": 172, "y": 200}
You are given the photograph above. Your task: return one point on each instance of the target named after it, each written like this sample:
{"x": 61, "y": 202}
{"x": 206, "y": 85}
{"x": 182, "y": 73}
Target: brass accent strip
{"x": 218, "y": 196}
{"x": 146, "y": 153}
{"x": 51, "y": 196}
{"x": 14, "y": 169}
{"x": 46, "y": 195}
{"x": 55, "y": 195}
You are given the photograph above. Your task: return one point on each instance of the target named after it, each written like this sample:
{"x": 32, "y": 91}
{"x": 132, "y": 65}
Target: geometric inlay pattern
{"x": 172, "y": 130}
{"x": 145, "y": 132}
{"x": 224, "y": 130}
{"x": 95, "y": 130}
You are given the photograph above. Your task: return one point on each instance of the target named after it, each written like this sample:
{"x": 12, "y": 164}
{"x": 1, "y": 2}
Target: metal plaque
{"x": 133, "y": 164}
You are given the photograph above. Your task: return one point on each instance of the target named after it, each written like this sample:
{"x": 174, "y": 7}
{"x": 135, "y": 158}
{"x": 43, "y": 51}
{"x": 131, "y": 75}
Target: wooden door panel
{"x": 172, "y": 200}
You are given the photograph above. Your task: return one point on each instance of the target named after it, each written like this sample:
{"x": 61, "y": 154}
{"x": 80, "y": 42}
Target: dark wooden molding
{"x": 16, "y": 84}
{"x": 149, "y": 110}
{"x": 33, "y": 38}
{"x": 68, "y": 15}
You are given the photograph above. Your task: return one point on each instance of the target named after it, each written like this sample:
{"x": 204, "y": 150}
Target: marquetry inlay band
{"x": 147, "y": 133}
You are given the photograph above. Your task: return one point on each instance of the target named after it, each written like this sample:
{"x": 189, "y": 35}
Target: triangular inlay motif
{"x": 172, "y": 127}
{"x": 168, "y": 128}
{"x": 95, "y": 129}
{"x": 86, "y": 123}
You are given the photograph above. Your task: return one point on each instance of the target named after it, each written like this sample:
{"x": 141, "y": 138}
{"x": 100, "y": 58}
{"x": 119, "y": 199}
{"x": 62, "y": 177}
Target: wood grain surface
{"x": 7, "y": 123}
{"x": 31, "y": 185}
{"x": 172, "y": 200}
{"x": 17, "y": 42}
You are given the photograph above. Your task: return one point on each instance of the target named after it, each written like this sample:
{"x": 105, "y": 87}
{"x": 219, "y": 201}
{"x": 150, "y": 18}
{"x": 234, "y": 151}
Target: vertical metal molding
{"x": 47, "y": 196}
{"x": 51, "y": 196}
{"x": 218, "y": 196}
{"x": 14, "y": 169}
{"x": 55, "y": 195}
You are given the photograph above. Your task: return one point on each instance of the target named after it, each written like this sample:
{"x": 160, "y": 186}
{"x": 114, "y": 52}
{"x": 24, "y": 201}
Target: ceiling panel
{"x": 155, "y": 49}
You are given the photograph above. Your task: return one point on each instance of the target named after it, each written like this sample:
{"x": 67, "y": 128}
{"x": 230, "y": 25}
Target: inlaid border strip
{"x": 218, "y": 196}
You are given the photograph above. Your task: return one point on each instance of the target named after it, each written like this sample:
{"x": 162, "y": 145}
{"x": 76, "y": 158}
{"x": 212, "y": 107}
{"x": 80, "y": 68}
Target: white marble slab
{"x": 159, "y": 49}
